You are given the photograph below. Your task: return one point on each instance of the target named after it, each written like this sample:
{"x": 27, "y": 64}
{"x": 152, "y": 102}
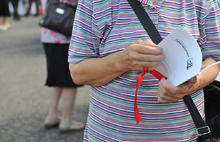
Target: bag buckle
{"x": 203, "y": 130}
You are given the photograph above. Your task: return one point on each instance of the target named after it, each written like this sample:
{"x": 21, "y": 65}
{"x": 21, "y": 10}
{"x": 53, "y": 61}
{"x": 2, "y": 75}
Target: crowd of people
{"x": 6, "y": 11}
{"x": 108, "y": 50}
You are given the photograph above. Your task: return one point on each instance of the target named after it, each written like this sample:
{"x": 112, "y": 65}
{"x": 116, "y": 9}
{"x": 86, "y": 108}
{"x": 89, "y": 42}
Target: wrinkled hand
{"x": 141, "y": 54}
{"x": 168, "y": 93}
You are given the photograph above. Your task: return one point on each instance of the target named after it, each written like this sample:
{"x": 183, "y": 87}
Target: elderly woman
{"x": 109, "y": 49}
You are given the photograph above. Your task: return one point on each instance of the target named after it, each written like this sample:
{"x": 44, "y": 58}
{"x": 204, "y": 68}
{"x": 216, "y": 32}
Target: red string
{"x": 138, "y": 83}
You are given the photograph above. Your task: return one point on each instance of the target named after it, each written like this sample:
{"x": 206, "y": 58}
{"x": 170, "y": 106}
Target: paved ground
{"x": 23, "y": 96}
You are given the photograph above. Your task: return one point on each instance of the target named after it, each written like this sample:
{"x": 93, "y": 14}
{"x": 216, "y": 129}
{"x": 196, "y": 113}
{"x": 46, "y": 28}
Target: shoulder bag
{"x": 206, "y": 130}
{"x": 59, "y": 17}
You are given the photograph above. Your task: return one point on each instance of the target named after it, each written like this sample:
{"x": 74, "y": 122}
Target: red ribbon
{"x": 138, "y": 83}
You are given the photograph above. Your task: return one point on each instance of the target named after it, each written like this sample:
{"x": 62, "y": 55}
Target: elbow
{"x": 74, "y": 74}
{"x": 83, "y": 77}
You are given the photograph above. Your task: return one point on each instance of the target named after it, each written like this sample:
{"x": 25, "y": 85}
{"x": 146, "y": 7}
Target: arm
{"x": 96, "y": 71}
{"x": 99, "y": 71}
{"x": 210, "y": 48}
{"x": 168, "y": 93}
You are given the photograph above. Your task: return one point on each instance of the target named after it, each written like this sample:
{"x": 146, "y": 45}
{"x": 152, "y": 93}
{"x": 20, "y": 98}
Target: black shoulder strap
{"x": 145, "y": 21}
{"x": 202, "y": 129}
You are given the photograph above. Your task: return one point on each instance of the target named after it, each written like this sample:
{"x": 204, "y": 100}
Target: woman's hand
{"x": 141, "y": 54}
{"x": 168, "y": 93}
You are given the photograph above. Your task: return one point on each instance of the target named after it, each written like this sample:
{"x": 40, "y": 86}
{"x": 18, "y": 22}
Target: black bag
{"x": 58, "y": 17}
{"x": 212, "y": 108}
{"x": 212, "y": 97}
{"x": 206, "y": 130}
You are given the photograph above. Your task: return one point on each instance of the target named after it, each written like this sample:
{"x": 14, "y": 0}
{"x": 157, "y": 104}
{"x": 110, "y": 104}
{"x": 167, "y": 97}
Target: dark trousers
{"x": 15, "y": 6}
{"x": 29, "y": 7}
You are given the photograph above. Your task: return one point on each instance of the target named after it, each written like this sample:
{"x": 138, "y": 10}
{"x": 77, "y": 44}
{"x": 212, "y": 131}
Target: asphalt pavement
{"x": 23, "y": 97}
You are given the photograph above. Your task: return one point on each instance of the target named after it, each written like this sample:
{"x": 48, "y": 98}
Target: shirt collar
{"x": 148, "y": 2}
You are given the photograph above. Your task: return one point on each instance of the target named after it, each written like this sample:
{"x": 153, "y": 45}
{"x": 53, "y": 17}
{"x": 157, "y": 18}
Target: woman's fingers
{"x": 168, "y": 93}
{"x": 164, "y": 94}
{"x": 138, "y": 41}
{"x": 141, "y": 54}
{"x": 146, "y": 48}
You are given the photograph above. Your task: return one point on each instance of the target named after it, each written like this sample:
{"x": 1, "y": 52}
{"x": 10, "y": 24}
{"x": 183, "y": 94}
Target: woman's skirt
{"x": 58, "y": 74}
{"x": 4, "y": 8}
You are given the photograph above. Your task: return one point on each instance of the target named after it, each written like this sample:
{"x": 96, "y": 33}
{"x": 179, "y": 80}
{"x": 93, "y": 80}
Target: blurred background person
{"x": 29, "y": 7}
{"x": 4, "y": 13}
{"x": 16, "y": 16}
{"x": 59, "y": 80}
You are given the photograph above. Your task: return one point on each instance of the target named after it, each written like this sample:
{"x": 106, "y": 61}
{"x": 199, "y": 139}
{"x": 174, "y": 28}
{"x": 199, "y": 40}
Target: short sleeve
{"x": 91, "y": 20}
{"x": 211, "y": 32}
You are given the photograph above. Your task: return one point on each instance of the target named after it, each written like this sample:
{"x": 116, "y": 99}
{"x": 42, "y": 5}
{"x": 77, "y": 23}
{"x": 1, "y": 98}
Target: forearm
{"x": 207, "y": 76}
{"x": 97, "y": 71}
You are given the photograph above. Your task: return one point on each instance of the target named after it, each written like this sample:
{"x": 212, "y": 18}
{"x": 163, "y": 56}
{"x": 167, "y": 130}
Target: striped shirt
{"x": 103, "y": 27}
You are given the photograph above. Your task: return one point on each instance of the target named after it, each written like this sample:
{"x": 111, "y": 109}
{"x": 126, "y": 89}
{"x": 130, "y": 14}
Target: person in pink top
{"x": 59, "y": 80}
